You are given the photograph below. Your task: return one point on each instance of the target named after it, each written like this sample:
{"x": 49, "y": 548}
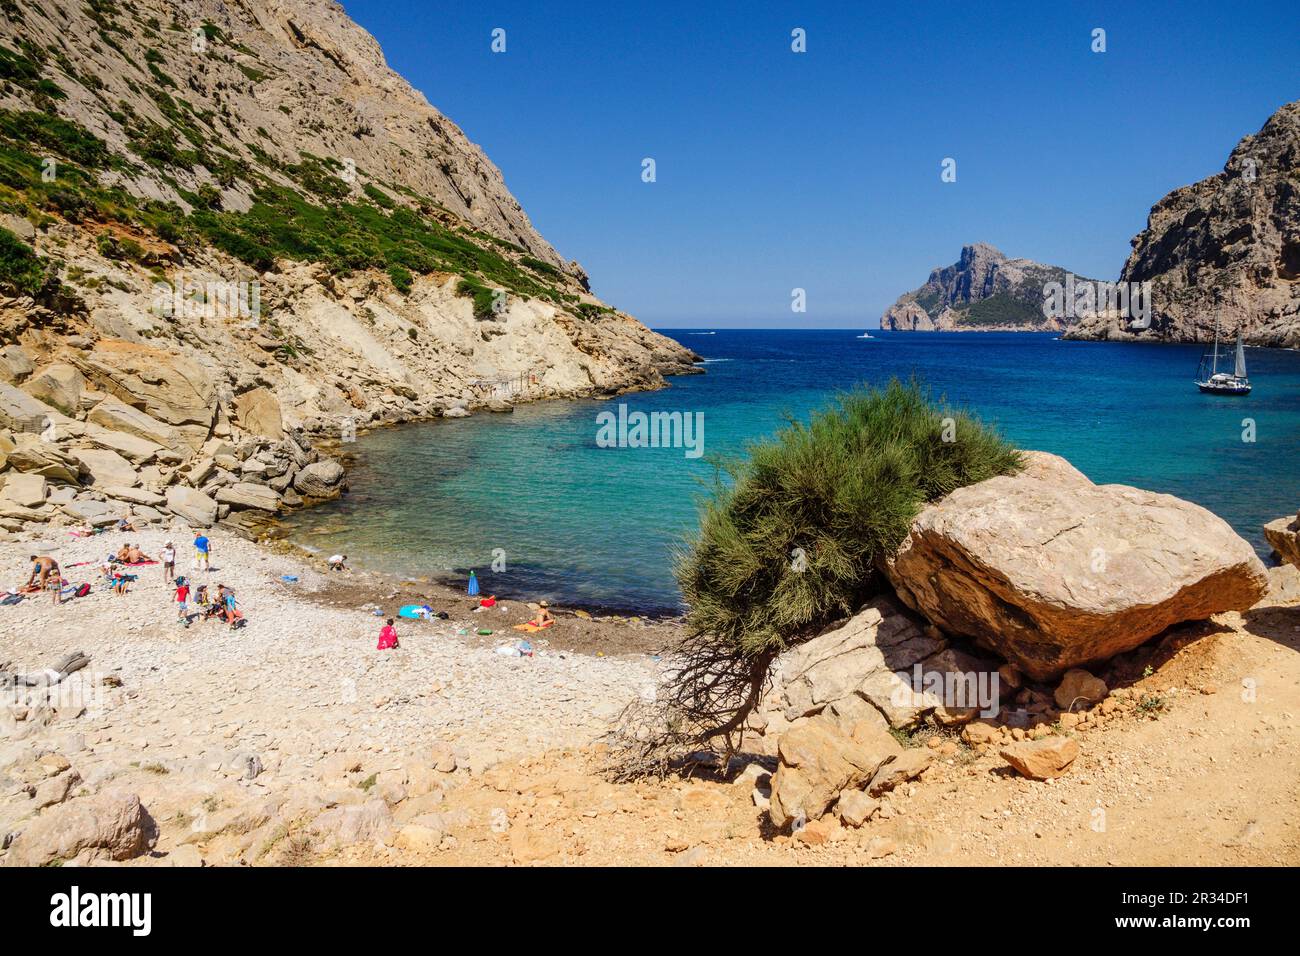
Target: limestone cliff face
{"x": 1225, "y": 248}
{"x": 982, "y": 291}
{"x": 227, "y": 229}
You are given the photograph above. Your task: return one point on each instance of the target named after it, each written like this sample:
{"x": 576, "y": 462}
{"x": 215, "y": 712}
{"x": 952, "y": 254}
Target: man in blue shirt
{"x": 202, "y": 551}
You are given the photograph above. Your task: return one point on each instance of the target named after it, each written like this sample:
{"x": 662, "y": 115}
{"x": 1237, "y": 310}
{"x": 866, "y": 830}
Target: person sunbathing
{"x": 136, "y": 556}
{"x": 124, "y": 554}
{"x": 544, "y": 618}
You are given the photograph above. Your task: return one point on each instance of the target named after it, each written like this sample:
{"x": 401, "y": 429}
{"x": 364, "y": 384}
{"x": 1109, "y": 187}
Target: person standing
{"x": 47, "y": 569}
{"x": 168, "y": 557}
{"x": 182, "y": 601}
{"x": 202, "y": 552}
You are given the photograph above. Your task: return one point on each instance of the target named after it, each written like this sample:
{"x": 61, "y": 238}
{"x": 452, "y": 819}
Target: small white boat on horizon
{"x": 865, "y": 335}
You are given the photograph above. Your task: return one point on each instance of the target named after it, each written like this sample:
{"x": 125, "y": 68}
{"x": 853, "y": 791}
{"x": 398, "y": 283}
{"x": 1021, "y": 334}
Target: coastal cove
{"x": 566, "y": 516}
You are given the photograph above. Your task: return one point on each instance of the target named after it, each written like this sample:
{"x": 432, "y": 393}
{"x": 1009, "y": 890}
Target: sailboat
{"x": 1214, "y": 382}
{"x": 866, "y": 335}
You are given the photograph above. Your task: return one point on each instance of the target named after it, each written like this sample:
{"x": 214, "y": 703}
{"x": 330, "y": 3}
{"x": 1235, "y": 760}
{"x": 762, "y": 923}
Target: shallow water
{"x": 595, "y": 526}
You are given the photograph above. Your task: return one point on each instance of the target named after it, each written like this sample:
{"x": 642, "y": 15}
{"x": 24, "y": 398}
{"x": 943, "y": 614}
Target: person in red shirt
{"x": 387, "y": 636}
{"x": 182, "y": 601}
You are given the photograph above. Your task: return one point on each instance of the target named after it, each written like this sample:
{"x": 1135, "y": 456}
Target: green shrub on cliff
{"x": 20, "y": 268}
{"x": 790, "y": 542}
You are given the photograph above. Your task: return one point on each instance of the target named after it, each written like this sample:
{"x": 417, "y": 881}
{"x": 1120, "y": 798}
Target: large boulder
{"x": 1284, "y": 535}
{"x": 245, "y": 494}
{"x": 27, "y": 491}
{"x": 818, "y": 760}
{"x": 167, "y": 385}
{"x": 14, "y": 365}
{"x": 138, "y": 450}
{"x": 59, "y": 386}
{"x": 1054, "y": 572}
{"x": 117, "y": 416}
{"x": 880, "y": 666}
{"x": 99, "y": 514}
{"x": 34, "y": 455}
{"x": 258, "y": 411}
{"x": 106, "y": 467}
{"x": 192, "y": 505}
{"x": 320, "y": 479}
{"x": 111, "y": 825}
{"x": 20, "y": 412}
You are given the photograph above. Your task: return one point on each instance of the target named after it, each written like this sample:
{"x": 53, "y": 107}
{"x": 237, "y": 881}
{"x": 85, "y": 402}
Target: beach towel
{"x": 417, "y": 612}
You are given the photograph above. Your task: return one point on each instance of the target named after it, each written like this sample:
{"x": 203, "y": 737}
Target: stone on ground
{"x": 1053, "y": 571}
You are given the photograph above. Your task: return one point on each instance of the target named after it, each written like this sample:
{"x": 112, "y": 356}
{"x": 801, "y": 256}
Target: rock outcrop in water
{"x": 230, "y": 229}
{"x": 982, "y": 291}
{"x": 1226, "y": 248}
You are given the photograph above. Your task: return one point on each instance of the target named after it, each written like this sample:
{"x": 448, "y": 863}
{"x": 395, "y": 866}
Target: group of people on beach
{"x": 190, "y": 602}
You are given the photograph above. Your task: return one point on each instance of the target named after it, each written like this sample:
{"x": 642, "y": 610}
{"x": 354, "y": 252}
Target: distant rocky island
{"x": 982, "y": 291}
{"x": 1226, "y": 248}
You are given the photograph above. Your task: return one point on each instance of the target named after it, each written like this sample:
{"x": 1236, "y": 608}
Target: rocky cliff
{"x": 1225, "y": 248}
{"x": 228, "y": 228}
{"x": 982, "y": 291}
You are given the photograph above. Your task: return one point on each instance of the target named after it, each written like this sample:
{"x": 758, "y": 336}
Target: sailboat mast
{"x": 1216, "y": 345}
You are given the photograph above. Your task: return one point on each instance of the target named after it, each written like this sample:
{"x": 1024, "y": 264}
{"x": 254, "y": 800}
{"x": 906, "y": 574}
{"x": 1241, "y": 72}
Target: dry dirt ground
{"x": 466, "y": 756}
{"x": 1210, "y": 776}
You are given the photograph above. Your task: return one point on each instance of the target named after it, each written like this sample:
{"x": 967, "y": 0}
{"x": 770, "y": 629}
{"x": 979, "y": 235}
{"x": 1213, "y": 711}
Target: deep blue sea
{"x": 596, "y": 526}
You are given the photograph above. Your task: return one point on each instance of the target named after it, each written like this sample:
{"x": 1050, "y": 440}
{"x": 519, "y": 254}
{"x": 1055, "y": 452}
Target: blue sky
{"x": 821, "y": 170}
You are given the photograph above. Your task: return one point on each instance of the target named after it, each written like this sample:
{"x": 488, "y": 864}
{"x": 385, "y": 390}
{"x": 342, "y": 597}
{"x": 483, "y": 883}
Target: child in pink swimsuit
{"x": 387, "y": 636}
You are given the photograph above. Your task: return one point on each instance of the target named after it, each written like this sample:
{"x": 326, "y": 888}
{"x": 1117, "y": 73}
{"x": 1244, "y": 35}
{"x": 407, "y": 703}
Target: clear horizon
{"x": 820, "y": 170}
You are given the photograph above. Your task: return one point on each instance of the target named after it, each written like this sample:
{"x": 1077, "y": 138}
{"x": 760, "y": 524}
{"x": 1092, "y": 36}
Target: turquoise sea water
{"x": 595, "y": 526}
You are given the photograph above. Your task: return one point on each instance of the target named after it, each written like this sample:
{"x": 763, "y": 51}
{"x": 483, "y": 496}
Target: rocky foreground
{"x": 127, "y": 738}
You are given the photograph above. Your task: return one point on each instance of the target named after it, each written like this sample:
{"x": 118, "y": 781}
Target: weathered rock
{"x": 28, "y": 491}
{"x": 366, "y": 822}
{"x": 106, "y": 468}
{"x": 192, "y": 505}
{"x": 111, "y": 825}
{"x": 137, "y": 496}
{"x": 1041, "y": 759}
{"x": 817, "y": 762}
{"x": 20, "y": 412}
{"x": 58, "y": 386}
{"x": 850, "y": 667}
{"x": 908, "y": 765}
{"x": 320, "y": 479}
{"x": 1284, "y": 535}
{"x": 1053, "y": 571}
{"x": 258, "y": 411}
{"x": 32, "y": 455}
{"x": 136, "y": 450}
{"x": 117, "y": 416}
{"x": 244, "y": 494}
{"x": 855, "y": 807}
{"x": 92, "y": 512}
{"x": 15, "y": 365}
{"x": 1079, "y": 690}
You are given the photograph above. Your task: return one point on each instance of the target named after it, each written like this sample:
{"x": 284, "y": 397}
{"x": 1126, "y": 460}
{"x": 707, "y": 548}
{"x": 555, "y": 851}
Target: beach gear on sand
{"x": 472, "y": 588}
{"x": 488, "y": 601}
{"x": 418, "y": 612}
